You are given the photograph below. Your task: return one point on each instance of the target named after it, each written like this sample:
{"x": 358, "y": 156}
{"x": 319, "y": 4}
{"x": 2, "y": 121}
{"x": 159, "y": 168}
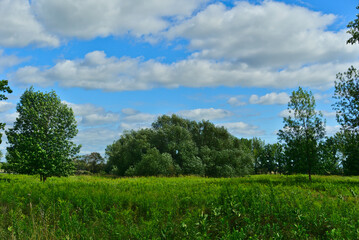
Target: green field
{"x": 255, "y": 207}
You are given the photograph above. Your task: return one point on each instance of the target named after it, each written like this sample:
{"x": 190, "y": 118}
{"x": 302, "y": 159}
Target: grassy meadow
{"x": 255, "y": 207}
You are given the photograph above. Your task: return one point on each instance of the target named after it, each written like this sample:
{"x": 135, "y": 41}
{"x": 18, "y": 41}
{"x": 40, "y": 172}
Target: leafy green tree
{"x": 93, "y": 163}
{"x": 175, "y": 145}
{"x": 330, "y": 156}
{"x": 127, "y": 151}
{"x": 271, "y": 159}
{"x": 302, "y": 133}
{"x": 4, "y": 88}
{"x": 40, "y": 140}
{"x": 354, "y": 30}
{"x": 347, "y": 107}
{"x": 153, "y": 163}
{"x": 346, "y": 94}
{"x": 173, "y": 136}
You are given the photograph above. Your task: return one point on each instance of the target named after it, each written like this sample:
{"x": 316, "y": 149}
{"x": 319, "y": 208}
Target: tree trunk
{"x": 42, "y": 178}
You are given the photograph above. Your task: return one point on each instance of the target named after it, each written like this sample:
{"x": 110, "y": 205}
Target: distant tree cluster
{"x": 177, "y": 146}
{"x": 4, "y": 88}
{"x": 90, "y": 163}
{"x": 303, "y": 147}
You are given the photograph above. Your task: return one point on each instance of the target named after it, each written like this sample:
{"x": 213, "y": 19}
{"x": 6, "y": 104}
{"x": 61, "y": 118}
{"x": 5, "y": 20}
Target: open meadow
{"x": 255, "y": 207}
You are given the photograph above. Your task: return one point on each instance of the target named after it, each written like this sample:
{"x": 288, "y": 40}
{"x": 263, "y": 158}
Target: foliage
{"x": 4, "y": 88}
{"x": 302, "y": 133}
{"x": 347, "y": 99}
{"x": 40, "y": 140}
{"x": 348, "y": 151}
{"x": 353, "y": 30}
{"x": 271, "y": 159}
{"x": 92, "y": 163}
{"x": 255, "y": 207}
{"x": 176, "y": 146}
{"x": 330, "y": 156}
{"x": 347, "y": 107}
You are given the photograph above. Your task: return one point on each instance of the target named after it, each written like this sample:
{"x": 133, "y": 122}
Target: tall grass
{"x": 256, "y": 207}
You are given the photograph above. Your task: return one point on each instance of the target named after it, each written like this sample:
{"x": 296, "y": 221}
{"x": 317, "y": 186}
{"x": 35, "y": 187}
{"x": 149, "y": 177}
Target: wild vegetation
{"x": 256, "y": 207}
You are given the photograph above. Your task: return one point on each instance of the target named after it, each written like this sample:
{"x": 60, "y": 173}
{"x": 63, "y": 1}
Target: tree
{"x": 302, "y": 133}
{"x": 40, "y": 140}
{"x": 346, "y": 94}
{"x": 4, "y": 88}
{"x": 347, "y": 107}
{"x": 93, "y": 163}
{"x": 270, "y": 159}
{"x": 330, "y": 156}
{"x": 175, "y": 145}
{"x": 353, "y": 30}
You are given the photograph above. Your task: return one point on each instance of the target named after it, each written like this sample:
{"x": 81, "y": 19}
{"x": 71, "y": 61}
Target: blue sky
{"x": 120, "y": 64}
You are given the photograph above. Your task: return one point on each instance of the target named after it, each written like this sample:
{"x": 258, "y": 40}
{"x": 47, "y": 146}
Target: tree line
{"x": 40, "y": 142}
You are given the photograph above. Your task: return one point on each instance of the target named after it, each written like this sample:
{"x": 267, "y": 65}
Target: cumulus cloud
{"x": 10, "y": 118}
{"x": 242, "y": 129}
{"x": 123, "y": 74}
{"x": 91, "y": 18}
{"x": 271, "y": 44}
{"x": 5, "y": 106}
{"x": 96, "y": 139}
{"x": 323, "y": 97}
{"x": 270, "y": 99}
{"x": 134, "y": 119}
{"x": 44, "y": 22}
{"x": 19, "y": 26}
{"x": 8, "y": 60}
{"x": 91, "y": 115}
{"x": 331, "y": 130}
{"x": 271, "y": 34}
{"x": 328, "y": 114}
{"x": 285, "y": 113}
{"x": 205, "y": 114}
{"x": 236, "y": 101}
{"x": 134, "y": 116}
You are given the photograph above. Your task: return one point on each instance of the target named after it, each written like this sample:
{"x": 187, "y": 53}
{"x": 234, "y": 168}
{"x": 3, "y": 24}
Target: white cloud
{"x": 134, "y": 119}
{"x": 91, "y": 18}
{"x": 270, "y": 34}
{"x": 8, "y": 60}
{"x": 129, "y": 111}
{"x": 270, "y": 99}
{"x": 286, "y": 113}
{"x": 96, "y": 139}
{"x": 122, "y": 74}
{"x": 91, "y": 115}
{"x": 242, "y": 129}
{"x": 19, "y": 26}
{"x": 206, "y": 114}
{"x": 236, "y": 101}
{"x": 99, "y": 119}
{"x": 323, "y": 97}
{"x": 139, "y": 117}
{"x": 331, "y": 130}
{"x": 5, "y": 106}
{"x": 328, "y": 114}
{"x": 10, "y": 118}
